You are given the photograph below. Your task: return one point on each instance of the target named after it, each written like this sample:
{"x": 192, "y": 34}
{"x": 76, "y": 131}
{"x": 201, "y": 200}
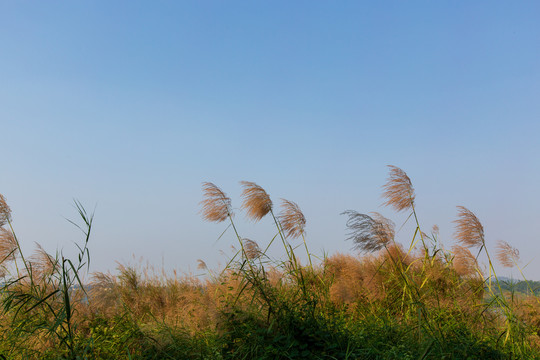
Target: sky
{"x": 129, "y": 106}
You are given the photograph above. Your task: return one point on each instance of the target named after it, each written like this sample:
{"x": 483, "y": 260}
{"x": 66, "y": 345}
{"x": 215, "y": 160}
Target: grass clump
{"x": 395, "y": 301}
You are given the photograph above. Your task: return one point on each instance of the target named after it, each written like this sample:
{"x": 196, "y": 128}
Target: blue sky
{"x": 129, "y": 106}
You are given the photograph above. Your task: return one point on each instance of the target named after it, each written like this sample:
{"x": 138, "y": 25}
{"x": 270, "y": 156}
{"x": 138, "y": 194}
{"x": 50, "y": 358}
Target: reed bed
{"x": 385, "y": 300}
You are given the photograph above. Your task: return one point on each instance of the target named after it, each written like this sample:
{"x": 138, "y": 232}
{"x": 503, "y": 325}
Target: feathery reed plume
{"x": 251, "y": 248}
{"x": 216, "y": 206}
{"x": 464, "y": 261}
{"x": 8, "y": 245}
{"x": 507, "y": 255}
{"x": 5, "y": 211}
{"x": 42, "y": 262}
{"x": 103, "y": 293}
{"x": 256, "y": 201}
{"x": 369, "y": 233}
{"x": 292, "y": 219}
{"x": 103, "y": 280}
{"x": 469, "y": 230}
{"x": 398, "y": 190}
{"x": 435, "y": 230}
{"x": 201, "y": 265}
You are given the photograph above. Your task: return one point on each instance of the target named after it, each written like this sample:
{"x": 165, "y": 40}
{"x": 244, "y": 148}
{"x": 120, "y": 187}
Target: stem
{"x": 418, "y": 227}
{"x": 307, "y": 251}
{"x": 28, "y": 269}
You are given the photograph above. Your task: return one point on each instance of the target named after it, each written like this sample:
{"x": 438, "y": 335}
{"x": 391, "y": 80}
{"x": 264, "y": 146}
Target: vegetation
{"x": 413, "y": 301}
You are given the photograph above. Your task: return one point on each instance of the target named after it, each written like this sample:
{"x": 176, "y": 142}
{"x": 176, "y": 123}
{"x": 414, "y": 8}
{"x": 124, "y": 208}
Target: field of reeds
{"x": 416, "y": 300}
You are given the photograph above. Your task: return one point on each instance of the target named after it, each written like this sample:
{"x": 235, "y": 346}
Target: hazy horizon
{"x": 129, "y": 107}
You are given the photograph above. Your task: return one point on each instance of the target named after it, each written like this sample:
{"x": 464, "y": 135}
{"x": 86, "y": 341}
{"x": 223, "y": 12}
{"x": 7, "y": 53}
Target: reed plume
{"x": 251, "y": 249}
{"x": 464, "y": 262}
{"x": 102, "y": 280}
{"x": 507, "y": 255}
{"x": 43, "y": 263}
{"x": 369, "y": 233}
{"x": 201, "y": 265}
{"x": 292, "y": 219}
{"x": 8, "y": 245}
{"x": 5, "y": 211}
{"x": 435, "y": 230}
{"x": 398, "y": 190}
{"x": 256, "y": 201}
{"x": 469, "y": 230}
{"x": 216, "y": 206}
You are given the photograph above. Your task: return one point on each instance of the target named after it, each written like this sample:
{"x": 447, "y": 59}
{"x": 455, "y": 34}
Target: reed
{"x": 384, "y": 301}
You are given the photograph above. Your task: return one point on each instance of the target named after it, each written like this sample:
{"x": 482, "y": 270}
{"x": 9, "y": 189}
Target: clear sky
{"x": 128, "y": 106}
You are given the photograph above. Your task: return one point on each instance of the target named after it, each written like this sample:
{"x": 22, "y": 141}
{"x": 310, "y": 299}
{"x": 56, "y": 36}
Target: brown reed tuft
{"x": 256, "y": 201}
{"x": 102, "y": 280}
{"x": 469, "y": 230}
{"x": 251, "y": 249}
{"x": 369, "y": 233}
{"x": 201, "y": 265}
{"x": 8, "y": 245}
{"x": 292, "y": 219}
{"x": 507, "y": 255}
{"x": 398, "y": 190}
{"x": 435, "y": 230}
{"x": 216, "y": 206}
{"x": 43, "y": 263}
{"x": 464, "y": 262}
{"x": 5, "y": 211}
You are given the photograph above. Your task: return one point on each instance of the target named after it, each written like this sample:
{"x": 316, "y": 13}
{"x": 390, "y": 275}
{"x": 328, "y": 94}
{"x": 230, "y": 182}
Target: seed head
{"x": 42, "y": 262}
{"x": 8, "y": 245}
{"x": 469, "y": 230}
{"x": 216, "y": 206}
{"x": 5, "y": 211}
{"x": 398, "y": 190}
{"x": 201, "y": 265}
{"x": 252, "y": 249}
{"x": 256, "y": 201}
{"x": 464, "y": 261}
{"x": 507, "y": 255}
{"x": 292, "y": 219}
{"x": 369, "y": 233}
